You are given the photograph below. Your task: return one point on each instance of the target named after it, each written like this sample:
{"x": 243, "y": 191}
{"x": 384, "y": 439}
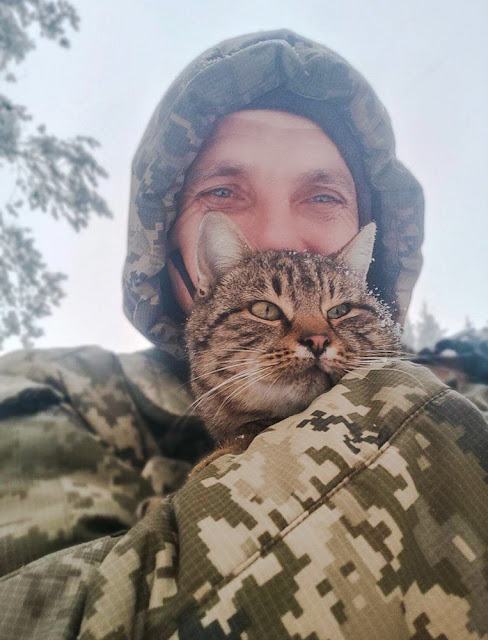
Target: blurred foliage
{"x": 423, "y": 334}
{"x": 428, "y": 330}
{"x": 409, "y": 337}
{"x": 54, "y": 176}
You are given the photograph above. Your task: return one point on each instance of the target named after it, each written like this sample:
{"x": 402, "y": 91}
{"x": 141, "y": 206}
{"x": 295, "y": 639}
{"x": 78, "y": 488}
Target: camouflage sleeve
{"x": 478, "y": 394}
{"x": 364, "y": 517}
{"x": 72, "y": 444}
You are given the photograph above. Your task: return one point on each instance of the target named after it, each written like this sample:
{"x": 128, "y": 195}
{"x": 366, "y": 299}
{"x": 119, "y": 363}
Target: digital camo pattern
{"x": 226, "y": 78}
{"x": 82, "y": 445}
{"x": 365, "y": 516}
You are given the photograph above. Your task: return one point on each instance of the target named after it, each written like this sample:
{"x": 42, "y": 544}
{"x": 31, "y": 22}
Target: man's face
{"x": 281, "y": 180}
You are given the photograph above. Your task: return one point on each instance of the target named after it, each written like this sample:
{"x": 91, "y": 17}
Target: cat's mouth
{"x": 313, "y": 377}
{"x": 317, "y": 372}
{"x": 288, "y": 394}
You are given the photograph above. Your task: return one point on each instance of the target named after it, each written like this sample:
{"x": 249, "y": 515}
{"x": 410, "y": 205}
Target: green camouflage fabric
{"x": 363, "y": 517}
{"x": 224, "y": 79}
{"x": 83, "y": 444}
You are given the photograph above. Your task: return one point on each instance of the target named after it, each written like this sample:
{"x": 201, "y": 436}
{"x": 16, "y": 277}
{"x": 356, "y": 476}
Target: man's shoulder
{"x": 145, "y": 374}
{"x": 44, "y": 598}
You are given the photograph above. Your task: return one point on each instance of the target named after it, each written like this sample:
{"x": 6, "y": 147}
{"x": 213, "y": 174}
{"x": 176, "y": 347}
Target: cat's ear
{"x": 220, "y": 246}
{"x": 358, "y": 252}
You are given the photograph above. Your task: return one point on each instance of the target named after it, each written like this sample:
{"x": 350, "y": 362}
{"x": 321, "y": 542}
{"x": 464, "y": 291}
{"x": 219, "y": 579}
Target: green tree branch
{"x": 58, "y": 177}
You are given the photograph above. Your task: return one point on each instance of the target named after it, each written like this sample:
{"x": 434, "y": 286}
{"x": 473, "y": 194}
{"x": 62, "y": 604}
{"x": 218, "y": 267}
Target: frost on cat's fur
{"x": 270, "y": 331}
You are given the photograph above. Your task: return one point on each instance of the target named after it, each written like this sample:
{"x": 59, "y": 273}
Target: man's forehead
{"x": 289, "y": 143}
{"x": 243, "y": 131}
{"x": 263, "y": 119}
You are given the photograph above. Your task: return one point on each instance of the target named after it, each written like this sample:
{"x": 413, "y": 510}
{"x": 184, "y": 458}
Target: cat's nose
{"x": 316, "y": 343}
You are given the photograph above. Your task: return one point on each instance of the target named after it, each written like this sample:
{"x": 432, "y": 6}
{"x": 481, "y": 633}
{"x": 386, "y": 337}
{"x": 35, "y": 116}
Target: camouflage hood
{"x": 224, "y": 79}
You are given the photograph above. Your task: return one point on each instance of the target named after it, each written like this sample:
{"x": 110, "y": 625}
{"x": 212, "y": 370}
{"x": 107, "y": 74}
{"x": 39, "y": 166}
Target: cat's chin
{"x": 318, "y": 380}
{"x": 315, "y": 380}
{"x": 317, "y": 372}
{"x": 315, "y": 375}
{"x": 313, "y": 383}
{"x": 291, "y": 395}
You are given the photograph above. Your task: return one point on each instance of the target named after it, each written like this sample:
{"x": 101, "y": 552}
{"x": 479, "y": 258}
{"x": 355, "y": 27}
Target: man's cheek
{"x": 330, "y": 238}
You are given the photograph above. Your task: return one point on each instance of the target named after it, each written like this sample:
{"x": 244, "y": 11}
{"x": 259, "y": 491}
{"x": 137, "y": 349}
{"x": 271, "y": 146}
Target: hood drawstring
{"x": 179, "y": 264}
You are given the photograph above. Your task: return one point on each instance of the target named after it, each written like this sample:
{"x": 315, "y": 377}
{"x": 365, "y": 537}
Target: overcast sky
{"x": 427, "y": 61}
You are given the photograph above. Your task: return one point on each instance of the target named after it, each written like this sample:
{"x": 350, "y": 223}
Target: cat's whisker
{"x": 232, "y": 360}
{"x": 378, "y": 355}
{"x": 195, "y": 404}
{"x": 232, "y": 379}
{"x": 383, "y": 355}
{"x": 235, "y": 364}
{"x": 379, "y": 360}
{"x": 255, "y": 377}
{"x": 368, "y": 351}
{"x": 408, "y": 374}
{"x": 244, "y": 350}
{"x": 366, "y": 365}
{"x": 372, "y": 365}
{"x": 276, "y": 365}
{"x": 283, "y": 367}
{"x": 244, "y": 387}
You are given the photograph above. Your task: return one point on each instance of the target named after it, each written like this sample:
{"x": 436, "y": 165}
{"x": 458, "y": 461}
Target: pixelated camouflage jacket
{"x": 86, "y": 436}
{"x": 364, "y": 517}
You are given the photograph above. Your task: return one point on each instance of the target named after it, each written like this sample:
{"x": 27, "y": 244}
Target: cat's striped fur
{"x": 248, "y": 372}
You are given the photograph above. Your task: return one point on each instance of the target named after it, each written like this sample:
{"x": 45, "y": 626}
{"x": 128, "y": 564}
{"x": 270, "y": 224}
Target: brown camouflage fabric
{"x": 226, "y": 78}
{"x": 364, "y": 517}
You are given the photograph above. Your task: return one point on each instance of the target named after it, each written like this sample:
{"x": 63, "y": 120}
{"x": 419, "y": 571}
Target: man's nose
{"x": 316, "y": 343}
{"x": 274, "y": 228}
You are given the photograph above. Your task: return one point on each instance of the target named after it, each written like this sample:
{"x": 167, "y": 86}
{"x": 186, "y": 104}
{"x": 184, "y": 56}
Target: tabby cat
{"x": 270, "y": 331}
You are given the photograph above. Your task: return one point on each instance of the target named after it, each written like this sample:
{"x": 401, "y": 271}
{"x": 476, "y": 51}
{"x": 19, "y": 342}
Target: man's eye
{"x": 220, "y": 192}
{"x": 324, "y": 197}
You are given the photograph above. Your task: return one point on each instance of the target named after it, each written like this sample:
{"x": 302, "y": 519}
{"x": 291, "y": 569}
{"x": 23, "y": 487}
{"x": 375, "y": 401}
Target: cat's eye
{"x": 338, "y": 311}
{"x": 265, "y": 310}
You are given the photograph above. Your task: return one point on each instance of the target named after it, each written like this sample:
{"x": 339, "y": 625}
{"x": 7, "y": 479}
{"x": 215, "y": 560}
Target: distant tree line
{"x": 426, "y": 331}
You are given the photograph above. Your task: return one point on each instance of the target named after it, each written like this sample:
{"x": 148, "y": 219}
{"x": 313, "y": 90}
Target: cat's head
{"x": 269, "y": 331}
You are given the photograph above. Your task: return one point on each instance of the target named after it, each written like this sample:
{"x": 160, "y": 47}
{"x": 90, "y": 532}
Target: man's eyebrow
{"x": 338, "y": 178}
{"x": 222, "y": 169}
{"x": 232, "y": 170}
